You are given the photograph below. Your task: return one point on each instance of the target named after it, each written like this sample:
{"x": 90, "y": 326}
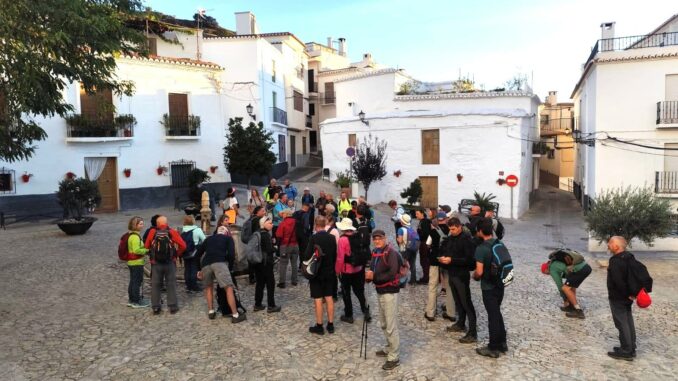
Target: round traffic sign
{"x": 350, "y": 151}
{"x": 511, "y": 180}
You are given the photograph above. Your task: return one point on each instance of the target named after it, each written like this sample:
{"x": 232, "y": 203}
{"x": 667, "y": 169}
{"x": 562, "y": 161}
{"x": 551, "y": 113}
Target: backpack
{"x": 638, "y": 276}
{"x": 403, "y": 274}
{"x": 311, "y": 267}
{"x": 191, "y": 250}
{"x": 162, "y": 247}
{"x": 123, "y": 251}
{"x": 299, "y": 228}
{"x": 246, "y": 233}
{"x": 253, "y": 249}
{"x": 501, "y": 266}
{"x": 412, "y": 240}
{"x": 360, "y": 253}
{"x": 372, "y": 224}
{"x": 500, "y": 230}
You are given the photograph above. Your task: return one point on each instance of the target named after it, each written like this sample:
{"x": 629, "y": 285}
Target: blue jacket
{"x": 291, "y": 192}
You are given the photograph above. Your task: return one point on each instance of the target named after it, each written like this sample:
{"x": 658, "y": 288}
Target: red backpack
{"x": 123, "y": 252}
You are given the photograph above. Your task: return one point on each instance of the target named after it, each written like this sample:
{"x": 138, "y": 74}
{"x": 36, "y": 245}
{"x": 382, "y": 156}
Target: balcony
{"x": 633, "y": 42}
{"x": 327, "y": 98}
{"x": 667, "y": 113}
{"x": 279, "y": 116}
{"x": 313, "y": 87}
{"x": 309, "y": 121}
{"x": 84, "y": 128}
{"x": 181, "y": 126}
{"x": 559, "y": 126}
{"x": 666, "y": 182}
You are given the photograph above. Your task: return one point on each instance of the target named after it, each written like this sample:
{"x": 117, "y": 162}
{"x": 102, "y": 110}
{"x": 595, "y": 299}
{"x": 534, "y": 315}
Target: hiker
{"x": 193, "y": 236}
{"x": 384, "y": 273}
{"x": 408, "y": 243}
{"x": 320, "y": 204}
{"x": 353, "y": 212}
{"x": 272, "y": 189}
{"x": 423, "y": 230}
{"x": 217, "y": 255}
{"x": 286, "y": 235}
{"x": 264, "y": 270}
{"x": 621, "y": 298}
{"x": 255, "y": 200}
{"x": 307, "y": 197}
{"x": 165, "y": 245}
{"x": 154, "y": 223}
{"x": 230, "y": 205}
{"x": 290, "y": 190}
{"x": 331, "y": 228}
{"x": 474, "y": 217}
{"x": 280, "y": 205}
{"x": 303, "y": 226}
{"x": 344, "y": 205}
{"x": 224, "y": 220}
{"x": 568, "y": 265}
{"x": 322, "y": 286}
{"x": 497, "y": 226}
{"x": 352, "y": 276}
{"x": 330, "y": 201}
{"x": 438, "y": 275}
{"x": 250, "y": 226}
{"x": 493, "y": 294}
{"x": 398, "y": 212}
{"x": 135, "y": 262}
{"x": 457, "y": 256}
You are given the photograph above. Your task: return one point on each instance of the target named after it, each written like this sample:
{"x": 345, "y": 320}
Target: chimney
{"x": 607, "y": 30}
{"x": 329, "y": 42}
{"x": 342, "y": 46}
{"x": 245, "y": 23}
{"x": 552, "y": 98}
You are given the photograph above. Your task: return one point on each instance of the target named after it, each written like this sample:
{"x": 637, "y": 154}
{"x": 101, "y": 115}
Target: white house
{"x": 626, "y": 112}
{"x": 455, "y": 143}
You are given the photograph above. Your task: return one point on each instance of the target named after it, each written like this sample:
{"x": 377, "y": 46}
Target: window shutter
{"x": 430, "y": 146}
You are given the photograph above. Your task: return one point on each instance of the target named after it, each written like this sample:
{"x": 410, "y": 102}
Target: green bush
{"x": 630, "y": 213}
{"x": 413, "y": 193}
{"x": 343, "y": 179}
{"x": 78, "y": 196}
{"x": 484, "y": 201}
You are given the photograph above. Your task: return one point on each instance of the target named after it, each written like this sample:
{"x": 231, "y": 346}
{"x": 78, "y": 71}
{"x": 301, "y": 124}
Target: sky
{"x": 490, "y": 41}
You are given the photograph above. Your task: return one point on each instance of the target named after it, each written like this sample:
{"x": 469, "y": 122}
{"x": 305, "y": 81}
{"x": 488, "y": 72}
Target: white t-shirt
{"x": 229, "y": 202}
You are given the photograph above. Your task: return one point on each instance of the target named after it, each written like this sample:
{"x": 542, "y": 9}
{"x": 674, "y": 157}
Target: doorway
{"x": 293, "y": 150}
{"x": 108, "y": 186}
{"x": 313, "y": 136}
{"x": 429, "y": 185}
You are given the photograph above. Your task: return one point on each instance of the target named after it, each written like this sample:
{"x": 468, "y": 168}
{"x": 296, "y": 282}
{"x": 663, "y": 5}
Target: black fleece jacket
{"x": 461, "y": 250}
{"x": 617, "y": 277}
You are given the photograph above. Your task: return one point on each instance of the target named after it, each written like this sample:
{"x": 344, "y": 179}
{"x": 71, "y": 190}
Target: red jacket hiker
{"x": 286, "y": 233}
{"x": 174, "y": 235}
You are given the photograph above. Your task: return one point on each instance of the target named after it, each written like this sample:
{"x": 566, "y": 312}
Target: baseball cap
{"x": 445, "y": 208}
{"x": 378, "y": 233}
{"x": 441, "y": 215}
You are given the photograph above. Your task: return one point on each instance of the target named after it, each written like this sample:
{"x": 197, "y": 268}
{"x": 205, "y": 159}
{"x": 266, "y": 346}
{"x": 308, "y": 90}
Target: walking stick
{"x": 363, "y": 337}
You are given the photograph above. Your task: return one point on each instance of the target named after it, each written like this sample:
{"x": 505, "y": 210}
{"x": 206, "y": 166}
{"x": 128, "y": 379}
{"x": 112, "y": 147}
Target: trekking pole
{"x": 363, "y": 337}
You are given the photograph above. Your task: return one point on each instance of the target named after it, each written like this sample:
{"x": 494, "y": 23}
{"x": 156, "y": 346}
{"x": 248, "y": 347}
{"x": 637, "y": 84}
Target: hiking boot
{"x": 422, "y": 281}
{"x": 240, "y": 318}
{"x": 294, "y": 283}
{"x": 174, "y": 310}
{"x": 281, "y": 285}
{"x": 577, "y": 313}
{"x": 429, "y": 318}
{"x": 346, "y": 319}
{"x": 567, "y": 309}
{"x": 504, "y": 348}
{"x": 486, "y": 351}
{"x": 258, "y": 308}
{"x": 211, "y": 314}
{"x": 330, "y": 327}
{"x": 455, "y": 328}
{"x": 272, "y": 309}
{"x": 367, "y": 316}
{"x": 448, "y": 317}
{"x": 621, "y": 355}
{"x": 618, "y": 349}
{"x": 381, "y": 353}
{"x": 156, "y": 311}
{"x": 388, "y": 365}
{"x": 468, "y": 338}
{"x": 317, "y": 329}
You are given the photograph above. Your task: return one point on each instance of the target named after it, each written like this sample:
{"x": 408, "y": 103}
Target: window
{"x": 180, "y": 172}
{"x": 7, "y": 180}
{"x": 273, "y": 73}
{"x": 329, "y": 93}
{"x": 152, "y": 44}
{"x": 298, "y": 101}
{"x": 551, "y": 154}
{"x": 430, "y": 146}
{"x": 351, "y": 140}
{"x": 97, "y": 106}
{"x": 312, "y": 85}
{"x": 275, "y": 99}
{"x": 544, "y": 120}
{"x": 178, "y": 116}
{"x": 282, "y": 155}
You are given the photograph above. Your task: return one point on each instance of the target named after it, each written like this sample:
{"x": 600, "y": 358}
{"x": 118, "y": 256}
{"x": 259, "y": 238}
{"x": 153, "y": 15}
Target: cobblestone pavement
{"x": 63, "y": 316}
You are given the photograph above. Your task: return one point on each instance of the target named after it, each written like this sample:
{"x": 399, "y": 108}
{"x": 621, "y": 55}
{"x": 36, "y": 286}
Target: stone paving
{"x": 63, "y": 316}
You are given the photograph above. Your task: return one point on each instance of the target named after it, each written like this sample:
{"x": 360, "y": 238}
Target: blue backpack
{"x": 412, "y": 240}
{"x": 501, "y": 266}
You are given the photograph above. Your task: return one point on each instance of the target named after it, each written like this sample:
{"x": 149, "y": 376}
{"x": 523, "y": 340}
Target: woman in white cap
{"x": 408, "y": 243}
{"x": 352, "y": 277}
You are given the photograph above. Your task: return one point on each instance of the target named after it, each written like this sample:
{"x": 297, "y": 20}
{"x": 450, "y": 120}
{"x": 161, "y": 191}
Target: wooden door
{"x": 429, "y": 185}
{"x": 303, "y": 145}
{"x": 108, "y": 186}
{"x": 293, "y": 150}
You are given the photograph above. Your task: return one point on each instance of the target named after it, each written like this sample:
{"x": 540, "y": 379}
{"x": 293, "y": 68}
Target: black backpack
{"x": 500, "y": 230}
{"x": 638, "y": 276}
{"x": 500, "y": 269}
{"x": 162, "y": 247}
{"x": 360, "y": 253}
{"x": 246, "y": 233}
{"x": 191, "y": 250}
{"x": 299, "y": 228}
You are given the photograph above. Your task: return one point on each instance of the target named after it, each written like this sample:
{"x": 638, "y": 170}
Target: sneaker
{"x": 272, "y": 309}
{"x": 567, "y": 309}
{"x": 448, "y": 317}
{"x": 258, "y": 308}
{"x": 241, "y": 317}
{"x": 211, "y": 314}
{"x": 455, "y": 328}
{"x": 156, "y": 311}
{"x": 618, "y": 349}
{"x": 429, "y": 318}
{"x": 486, "y": 351}
{"x": 579, "y": 314}
{"x": 130, "y": 304}
{"x": 388, "y": 365}
{"x": 281, "y": 285}
{"x": 468, "y": 338}
{"x": 346, "y": 319}
{"x": 294, "y": 283}
{"x": 174, "y": 310}
{"x": 142, "y": 304}
{"x": 317, "y": 329}
{"x": 381, "y": 353}
{"x": 620, "y": 355}
{"x": 330, "y": 327}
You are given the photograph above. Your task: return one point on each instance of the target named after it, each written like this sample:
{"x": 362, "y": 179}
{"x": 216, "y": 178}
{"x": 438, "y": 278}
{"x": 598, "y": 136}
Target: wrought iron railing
{"x": 181, "y": 125}
{"x": 313, "y": 87}
{"x": 328, "y": 98}
{"x": 180, "y": 171}
{"x": 279, "y": 116}
{"x": 309, "y": 121}
{"x": 634, "y": 42}
{"x": 109, "y": 126}
{"x": 666, "y": 182}
{"x": 667, "y": 112}
{"x": 559, "y": 125}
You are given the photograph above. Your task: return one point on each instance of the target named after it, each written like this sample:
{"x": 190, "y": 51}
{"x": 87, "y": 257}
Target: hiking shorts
{"x": 577, "y": 278}
{"x": 218, "y": 271}
{"x": 321, "y": 287}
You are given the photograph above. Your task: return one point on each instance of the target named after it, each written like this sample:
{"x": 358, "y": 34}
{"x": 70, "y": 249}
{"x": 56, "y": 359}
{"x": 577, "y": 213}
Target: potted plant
{"x": 161, "y": 170}
{"x": 213, "y": 168}
{"x": 70, "y": 175}
{"x": 127, "y": 172}
{"x": 501, "y": 181}
{"x": 343, "y": 181}
{"x": 397, "y": 173}
{"x": 125, "y": 122}
{"x": 26, "y": 176}
{"x": 77, "y": 196}
{"x": 413, "y": 194}
{"x": 459, "y": 177}
{"x": 485, "y": 201}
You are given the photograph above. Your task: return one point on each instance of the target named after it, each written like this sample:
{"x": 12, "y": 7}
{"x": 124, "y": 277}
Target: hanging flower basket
{"x": 213, "y": 168}
{"x": 397, "y": 173}
{"x": 501, "y": 181}
{"x": 127, "y": 172}
{"x": 161, "y": 170}
{"x": 26, "y": 177}
{"x": 70, "y": 175}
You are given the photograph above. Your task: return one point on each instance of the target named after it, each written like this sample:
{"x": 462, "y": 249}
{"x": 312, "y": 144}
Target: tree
{"x": 369, "y": 162}
{"x": 413, "y": 193}
{"x": 517, "y": 83}
{"x": 48, "y": 44}
{"x": 630, "y": 213}
{"x": 248, "y": 151}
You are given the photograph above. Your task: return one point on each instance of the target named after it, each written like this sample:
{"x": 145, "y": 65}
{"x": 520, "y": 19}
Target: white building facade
{"x": 626, "y": 112}
{"x": 455, "y": 143}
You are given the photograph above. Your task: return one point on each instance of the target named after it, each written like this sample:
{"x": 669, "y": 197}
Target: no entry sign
{"x": 511, "y": 180}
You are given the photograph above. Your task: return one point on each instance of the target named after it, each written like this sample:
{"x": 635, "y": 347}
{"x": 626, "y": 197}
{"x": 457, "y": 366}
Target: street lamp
{"x": 250, "y": 111}
{"x": 361, "y": 115}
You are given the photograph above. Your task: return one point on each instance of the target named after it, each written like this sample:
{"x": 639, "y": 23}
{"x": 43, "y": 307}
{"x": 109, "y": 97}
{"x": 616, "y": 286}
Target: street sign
{"x": 511, "y": 180}
{"x": 350, "y": 151}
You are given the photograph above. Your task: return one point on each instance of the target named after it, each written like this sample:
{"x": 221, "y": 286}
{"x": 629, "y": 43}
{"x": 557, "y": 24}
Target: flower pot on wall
{"x": 26, "y": 177}
{"x": 213, "y": 168}
{"x": 127, "y": 172}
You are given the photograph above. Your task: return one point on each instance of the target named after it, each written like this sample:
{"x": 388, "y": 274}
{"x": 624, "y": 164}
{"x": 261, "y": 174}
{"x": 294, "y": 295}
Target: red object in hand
{"x": 643, "y": 299}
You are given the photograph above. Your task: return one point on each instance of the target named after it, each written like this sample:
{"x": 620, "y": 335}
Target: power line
{"x": 641, "y": 145}
{"x": 636, "y": 151}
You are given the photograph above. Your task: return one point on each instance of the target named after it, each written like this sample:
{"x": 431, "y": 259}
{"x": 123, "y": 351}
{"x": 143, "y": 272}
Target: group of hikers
{"x": 338, "y": 248}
